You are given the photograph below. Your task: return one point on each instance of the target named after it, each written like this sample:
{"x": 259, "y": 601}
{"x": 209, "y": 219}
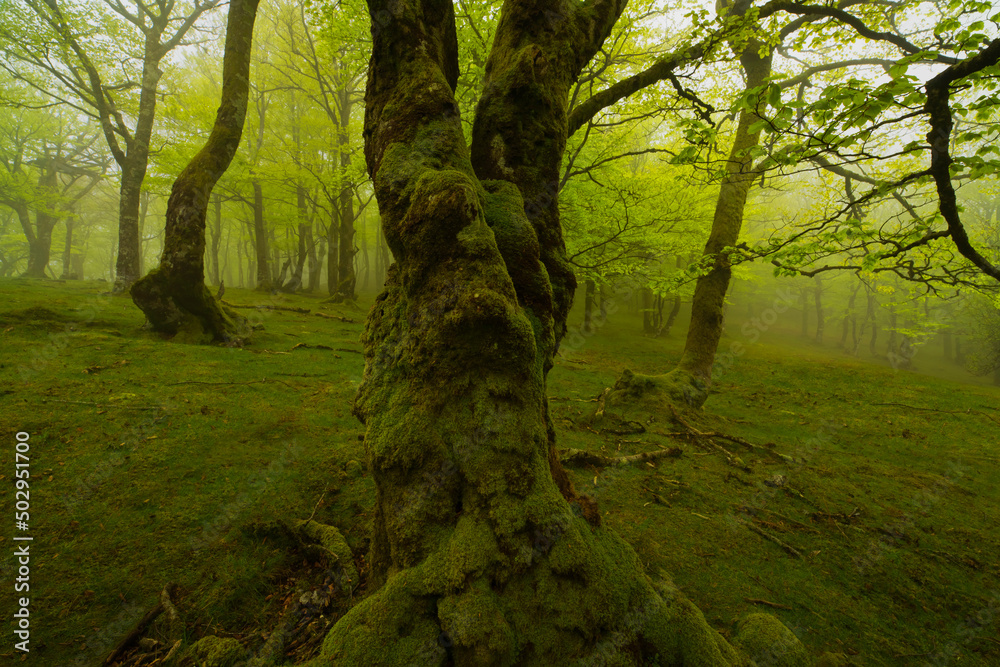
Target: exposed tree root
{"x": 175, "y": 630}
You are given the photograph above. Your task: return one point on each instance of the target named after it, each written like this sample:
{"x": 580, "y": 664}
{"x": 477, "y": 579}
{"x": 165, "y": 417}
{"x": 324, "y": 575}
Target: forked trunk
{"x": 174, "y": 296}
{"x": 476, "y": 557}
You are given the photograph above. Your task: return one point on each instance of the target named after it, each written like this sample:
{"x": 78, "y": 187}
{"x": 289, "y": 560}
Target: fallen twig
{"x": 141, "y": 626}
{"x": 348, "y": 320}
{"x": 261, "y": 381}
{"x": 767, "y": 536}
{"x": 586, "y": 457}
{"x": 313, "y": 347}
{"x": 269, "y": 307}
{"x": 103, "y": 405}
{"x": 769, "y": 604}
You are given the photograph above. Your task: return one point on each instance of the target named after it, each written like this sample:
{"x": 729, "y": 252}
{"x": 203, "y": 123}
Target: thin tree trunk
{"x": 67, "y": 260}
{"x": 346, "y": 278}
{"x": 216, "y": 231}
{"x": 45, "y": 221}
{"x": 820, "y": 319}
{"x": 174, "y": 296}
{"x": 694, "y": 372}
{"x": 333, "y": 250}
{"x": 263, "y": 272}
{"x": 588, "y": 306}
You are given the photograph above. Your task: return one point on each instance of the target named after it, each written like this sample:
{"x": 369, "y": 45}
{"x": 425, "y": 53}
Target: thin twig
{"x": 769, "y": 604}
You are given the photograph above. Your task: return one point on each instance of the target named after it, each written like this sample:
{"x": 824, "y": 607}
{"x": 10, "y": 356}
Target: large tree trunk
{"x": 476, "y": 557}
{"x": 174, "y": 296}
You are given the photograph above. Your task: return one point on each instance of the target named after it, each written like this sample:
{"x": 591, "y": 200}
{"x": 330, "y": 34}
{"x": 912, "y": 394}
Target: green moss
{"x": 215, "y": 651}
{"x": 765, "y": 639}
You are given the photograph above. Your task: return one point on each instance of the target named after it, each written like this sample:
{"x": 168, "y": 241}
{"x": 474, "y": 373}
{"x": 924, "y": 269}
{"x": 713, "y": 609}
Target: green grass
{"x": 148, "y": 470}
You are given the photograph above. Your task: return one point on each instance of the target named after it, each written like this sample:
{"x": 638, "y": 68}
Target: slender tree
{"x": 174, "y": 296}
{"x": 77, "y": 75}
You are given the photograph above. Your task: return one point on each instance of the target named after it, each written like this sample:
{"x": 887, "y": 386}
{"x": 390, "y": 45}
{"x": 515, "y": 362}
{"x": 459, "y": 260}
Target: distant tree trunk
{"x": 275, "y": 258}
{"x": 602, "y": 299}
{"x": 672, "y": 316}
{"x": 333, "y": 250}
{"x": 873, "y": 314}
{"x": 216, "y": 231}
{"x": 301, "y": 254}
{"x": 850, "y": 317}
{"x": 315, "y": 261}
{"x": 588, "y": 307}
{"x": 174, "y": 296}
{"x": 345, "y": 263}
{"x": 820, "y": 320}
{"x": 40, "y": 248}
{"x": 264, "y": 279}
{"x": 67, "y": 259}
{"x": 946, "y": 339}
{"x": 365, "y": 261}
{"x": 804, "y": 298}
{"x": 647, "y": 312}
{"x": 141, "y": 227}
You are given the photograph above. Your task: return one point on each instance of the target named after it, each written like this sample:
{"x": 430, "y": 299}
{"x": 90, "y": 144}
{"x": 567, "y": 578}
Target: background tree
{"x": 52, "y": 47}
{"x": 174, "y": 296}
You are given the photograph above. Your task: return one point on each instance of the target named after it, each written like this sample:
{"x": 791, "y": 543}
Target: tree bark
{"x": 476, "y": 556}
{"x": 128, "y": 267}
{"x": 40, "y": 244}
{"x": 690, "y": 381}
{"x": 264, "y": 280}
{"x": 216, "y": 231}
{"x": 174, "y": 296}
{"x": 346, "y": 279}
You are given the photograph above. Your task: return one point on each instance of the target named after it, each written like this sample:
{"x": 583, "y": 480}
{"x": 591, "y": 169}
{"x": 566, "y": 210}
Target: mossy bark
{"x": 174, "y": 296}
{"x": 477, "y": 558}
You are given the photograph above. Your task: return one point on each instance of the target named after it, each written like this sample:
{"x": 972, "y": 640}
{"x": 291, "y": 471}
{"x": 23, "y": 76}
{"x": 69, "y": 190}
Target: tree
{"x": 70, "y": 65}
{"x": 174, "y": 296}
{"x": 476, "y": 548}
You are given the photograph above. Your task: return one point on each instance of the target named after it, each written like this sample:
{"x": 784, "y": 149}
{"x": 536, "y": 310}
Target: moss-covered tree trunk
{"x": 174, "y": 296}
{"x": 476, "y": 557}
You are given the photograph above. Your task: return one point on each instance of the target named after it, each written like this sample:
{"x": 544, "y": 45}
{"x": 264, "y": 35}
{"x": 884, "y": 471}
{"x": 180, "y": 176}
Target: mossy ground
{"x": 149, "y": 459}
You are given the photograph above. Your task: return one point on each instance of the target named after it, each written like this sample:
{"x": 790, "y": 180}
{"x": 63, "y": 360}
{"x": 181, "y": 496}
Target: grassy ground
{"x": 150, "y": 461}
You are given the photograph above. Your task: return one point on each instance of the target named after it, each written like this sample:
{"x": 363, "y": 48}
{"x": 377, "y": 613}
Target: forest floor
{"x": 879, "y": 536}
